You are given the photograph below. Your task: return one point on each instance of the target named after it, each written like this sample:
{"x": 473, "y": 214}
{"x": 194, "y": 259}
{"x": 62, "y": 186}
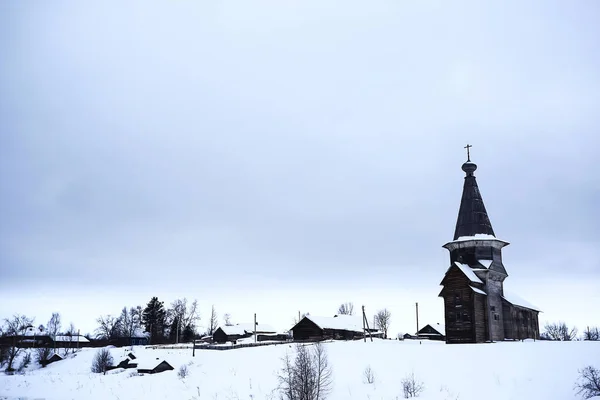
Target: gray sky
{"x": 273, "y": 156}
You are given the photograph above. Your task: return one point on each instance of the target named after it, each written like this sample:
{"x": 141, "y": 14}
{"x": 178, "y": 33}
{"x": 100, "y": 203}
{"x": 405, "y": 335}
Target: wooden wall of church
{"x": 458, "y": 308}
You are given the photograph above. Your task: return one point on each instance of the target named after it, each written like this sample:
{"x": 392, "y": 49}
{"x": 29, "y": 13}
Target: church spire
{"x": 472, "y": 216}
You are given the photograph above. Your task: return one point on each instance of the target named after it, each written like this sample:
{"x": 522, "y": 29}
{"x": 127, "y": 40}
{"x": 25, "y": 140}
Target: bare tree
{"x": 130, "y": 321}
{"x": 109, "y": 327}
{"x": 324, "y": 374}
{"x": 213, "y": 322}
{"x": 71, "y": 339}
{"x": 42, "y": 354}
{"x": 411, "y": 387}
{"x": 308, "y": 376}
{"x": 102, "y": 361}
{"x": 589, "y": 382}
{"x": 184, "y": 314}
{"x": 227, "y": 319}
{"x": 382, "y": 321}
{"x": 559, "y": 331}
{"x": 346, "y": 309}
{"x": 53, "y": 327}
{"x": 15, "y": 328}
{"x": 591, "y": 334}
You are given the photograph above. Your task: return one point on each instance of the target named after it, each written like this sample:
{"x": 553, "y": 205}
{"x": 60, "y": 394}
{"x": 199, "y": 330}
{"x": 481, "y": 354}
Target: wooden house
{"x": 53, "y": 358}
{"x": 232, "y": 333}
{"x": 477, "y": 308}
{"x": 432, "y": 332}
{"x": 340, "y": 327}
{"x": 153, "y": 366}
{"x": 279, "y": 337}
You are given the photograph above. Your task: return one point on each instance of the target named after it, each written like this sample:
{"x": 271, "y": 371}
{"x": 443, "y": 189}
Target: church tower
{"x": 476, "y": 308}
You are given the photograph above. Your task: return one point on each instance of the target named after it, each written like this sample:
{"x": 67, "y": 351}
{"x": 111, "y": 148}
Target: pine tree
{"x": 153, "y": 318}
{"x": 188, "y": 334}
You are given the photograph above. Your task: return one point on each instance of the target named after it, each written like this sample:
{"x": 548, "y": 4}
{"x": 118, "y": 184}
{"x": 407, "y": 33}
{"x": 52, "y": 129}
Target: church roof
{"x": 518, "y": 301}
{"x": 472, "y": 216}
{"x": 468, "y": 271}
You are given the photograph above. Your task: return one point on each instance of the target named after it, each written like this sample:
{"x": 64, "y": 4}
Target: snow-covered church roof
{"x": 468, "y": 271}
{"x": 518, "y": 301}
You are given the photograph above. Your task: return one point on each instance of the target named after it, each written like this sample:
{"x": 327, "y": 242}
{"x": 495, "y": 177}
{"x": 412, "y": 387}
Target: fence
{"x": 238, "y": 346}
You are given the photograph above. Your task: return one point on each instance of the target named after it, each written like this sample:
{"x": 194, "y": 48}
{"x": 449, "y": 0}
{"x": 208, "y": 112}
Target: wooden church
{"x": 476, "y": 306}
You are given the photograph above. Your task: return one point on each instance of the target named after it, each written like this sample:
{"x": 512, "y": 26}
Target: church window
{"x": 496, "y": 317}
{"x": 466, "y": 317}
{"x": 493, "y": 308}
{"x": 457, "y": 298}
{"x": 458, "y": 319}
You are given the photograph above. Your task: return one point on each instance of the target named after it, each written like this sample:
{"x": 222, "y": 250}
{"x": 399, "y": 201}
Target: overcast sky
{"x": 284, "y": 156}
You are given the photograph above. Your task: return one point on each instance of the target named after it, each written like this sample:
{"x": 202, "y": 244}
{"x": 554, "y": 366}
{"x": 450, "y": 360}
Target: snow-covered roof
{"x": 339, "y": 322}
{"x": 517, "y": 300}
{"x": 242, "y": 329}
{"x": 478, "y": 290}
{"x": 485, "y": 263}
{"x": 68, "y": 338}
{"x": 468, "y": 272}
{"x": 439, "y": 328}
{"x": 33, "y": 331}
{"x": 140, "y": 333}
{"x": 494, "y": 241}
{"x": 146, "y": 362}
{"x": 477, "y": 236}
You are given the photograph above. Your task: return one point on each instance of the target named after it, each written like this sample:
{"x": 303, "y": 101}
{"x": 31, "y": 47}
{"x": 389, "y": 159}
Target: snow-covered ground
{"x": 518, "y": 370}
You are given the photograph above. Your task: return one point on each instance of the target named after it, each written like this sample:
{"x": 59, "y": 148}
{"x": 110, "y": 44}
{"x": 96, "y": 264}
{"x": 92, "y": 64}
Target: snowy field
{"x": 519, "y": 370}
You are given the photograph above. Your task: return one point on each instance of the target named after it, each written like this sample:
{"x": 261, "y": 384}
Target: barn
{"x": 152, "y": 366}
{"x": 339, "y": 327}
{"x": 432, "y": 332}
{"x": 55, "y": 357}
{"x": 231, "y": 333}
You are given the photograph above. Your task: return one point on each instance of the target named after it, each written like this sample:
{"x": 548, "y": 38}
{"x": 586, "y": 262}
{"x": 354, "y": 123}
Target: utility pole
{"x": 254, "y": 327}
{"x": 364, "y": 329}
{"x": 417, "y": 309}
{"x": 365, "y": 322}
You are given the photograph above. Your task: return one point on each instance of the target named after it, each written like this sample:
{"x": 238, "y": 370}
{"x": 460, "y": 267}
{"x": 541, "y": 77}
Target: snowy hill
{"x": 519, "y": 370}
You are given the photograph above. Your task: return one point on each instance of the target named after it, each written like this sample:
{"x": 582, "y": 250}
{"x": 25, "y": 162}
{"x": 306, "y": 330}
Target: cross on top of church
{"x": 468, "y": 146}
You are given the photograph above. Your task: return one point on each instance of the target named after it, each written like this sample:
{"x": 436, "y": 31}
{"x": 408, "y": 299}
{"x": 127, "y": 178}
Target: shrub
{"x": 25, "y": 362}
{"x": 183, "y": 372}
{"x": 589, "y": 382}
{"x": 102, "y": 361}
{"x": 369, "y": 376}
{"x": 411, "y": 387}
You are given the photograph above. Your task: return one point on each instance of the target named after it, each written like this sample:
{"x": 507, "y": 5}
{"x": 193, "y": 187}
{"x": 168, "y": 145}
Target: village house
{"x": 340, "y": 327}
{"x": 148, "y": 365}
{"x": 232, "y": 333}
{"x": 477, "y": 308}
{"x": 35, "y": 337}
{"x": 432, "y": 332}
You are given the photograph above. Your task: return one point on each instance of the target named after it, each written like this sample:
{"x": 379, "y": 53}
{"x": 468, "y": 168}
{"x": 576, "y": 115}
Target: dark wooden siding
{"x": 306, "y": 330}
{"x": 481, "y": 327}
{"x": 458, "y": 307}
{"x": 219, "y": 336}
{"x": 522, "y": 323}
